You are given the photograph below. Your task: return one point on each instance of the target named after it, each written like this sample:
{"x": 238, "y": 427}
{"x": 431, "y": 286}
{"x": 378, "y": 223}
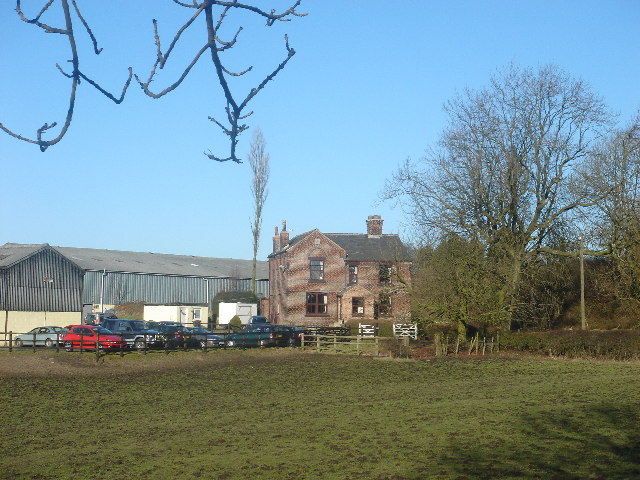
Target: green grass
{"x": 290, "y": 415}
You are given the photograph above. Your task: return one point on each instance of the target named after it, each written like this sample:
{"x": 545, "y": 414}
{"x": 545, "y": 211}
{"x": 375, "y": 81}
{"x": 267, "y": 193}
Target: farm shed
{"x": 80, "y": 279}
{"x": 185, "y": 314}
{"x": 38, "y": 286}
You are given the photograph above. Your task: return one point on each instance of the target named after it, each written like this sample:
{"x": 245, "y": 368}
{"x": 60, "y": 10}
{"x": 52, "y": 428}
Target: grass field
{"x": 285, "y": 414}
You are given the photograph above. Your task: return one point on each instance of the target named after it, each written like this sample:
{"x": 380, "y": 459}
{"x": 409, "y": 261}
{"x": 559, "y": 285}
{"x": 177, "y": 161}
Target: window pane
{"x": 357, "y": 306}
{"x": 316, "y": 269}
{"x": 353, "y": 274}
{"x": 316, "y": 303}
{"x": 385, "y": 274}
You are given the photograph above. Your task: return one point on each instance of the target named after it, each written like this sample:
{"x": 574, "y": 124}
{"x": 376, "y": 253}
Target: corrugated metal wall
{"x": 122, "y": 288}
{"x": 46, "y": 281}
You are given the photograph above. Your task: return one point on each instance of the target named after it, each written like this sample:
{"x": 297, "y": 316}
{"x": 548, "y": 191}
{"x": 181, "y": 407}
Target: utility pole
{"x": 583, "y": 315}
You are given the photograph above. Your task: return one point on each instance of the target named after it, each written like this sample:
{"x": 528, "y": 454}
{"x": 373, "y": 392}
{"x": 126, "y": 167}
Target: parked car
{"x": 258, "y": 320}
{"x": 85, "y": 337}
{"x": 259, "y": 336}
{"x": 294, "y": 334}
{"x": 135, "y": 332}
{"x": 205, "y": 338}
{"x": 175, "y": 334}
{"x": 47, "y": 336}
{"x": 97, "y": 318}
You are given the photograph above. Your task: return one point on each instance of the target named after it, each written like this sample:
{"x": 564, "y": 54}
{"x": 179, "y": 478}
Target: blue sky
{"x": 364, "y": 92}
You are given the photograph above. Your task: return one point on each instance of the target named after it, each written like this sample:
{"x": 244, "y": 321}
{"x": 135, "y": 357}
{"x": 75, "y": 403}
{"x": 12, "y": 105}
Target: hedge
{"x": 611, "y": 344}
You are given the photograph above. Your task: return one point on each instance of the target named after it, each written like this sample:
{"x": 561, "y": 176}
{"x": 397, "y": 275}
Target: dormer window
{"x": 316, "y": 269}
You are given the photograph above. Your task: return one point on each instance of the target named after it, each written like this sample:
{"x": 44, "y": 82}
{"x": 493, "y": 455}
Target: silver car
{"x": 47, "y": 336}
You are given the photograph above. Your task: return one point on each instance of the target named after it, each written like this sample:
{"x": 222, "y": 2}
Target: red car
{"x": 86, "y": 336}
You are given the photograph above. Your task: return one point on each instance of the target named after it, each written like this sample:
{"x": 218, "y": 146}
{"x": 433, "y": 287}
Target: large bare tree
{"x": 502, "y": 171}
{"x": 259, "y": 163}
{"x": 613, "y": 224}
{"x": 209, "y": 16}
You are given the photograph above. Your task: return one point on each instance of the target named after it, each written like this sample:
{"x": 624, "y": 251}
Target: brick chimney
{"x": 276, "y": 241}
{"x": 374, "y": 226}
{"x": 284, "y": 235}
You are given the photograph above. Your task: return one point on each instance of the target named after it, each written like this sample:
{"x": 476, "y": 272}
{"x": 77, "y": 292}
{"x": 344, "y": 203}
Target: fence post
{"x": 81, "y": 343}
{"x": 436, "y": 340}
{"x": 34, "y": 342}
{"x": 121, "y": 346}
{"x": 335, "y": 344}
{"x": 317, "y": 343}
{"x": 497, "y": 342}
{"x": 97, "y": 346}
{"x": 10, "y": 342}
{"x": 477, "y": 342}
{"x": 57, "y": 343}
{"x": 377, "y": 346}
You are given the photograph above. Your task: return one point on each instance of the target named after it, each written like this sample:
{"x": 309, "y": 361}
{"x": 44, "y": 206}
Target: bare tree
{"x": 259, "y": 163}
{"x": 212, "y": 14}
{"x": 502, "y": 173}
{"x": 613, "y": 224}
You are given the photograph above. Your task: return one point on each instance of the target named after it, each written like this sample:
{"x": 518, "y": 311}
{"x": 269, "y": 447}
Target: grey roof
{"x": 12, "y": 253}
{"x": 362, "y": 247}
{"x": 141, "y": 262}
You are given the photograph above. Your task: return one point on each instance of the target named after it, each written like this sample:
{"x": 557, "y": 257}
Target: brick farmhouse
{"x": 335, "y": 278}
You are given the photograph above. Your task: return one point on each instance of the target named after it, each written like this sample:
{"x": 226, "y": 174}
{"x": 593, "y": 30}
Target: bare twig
{"x": 234, "y": 108}
{"x": 76, "y": 75}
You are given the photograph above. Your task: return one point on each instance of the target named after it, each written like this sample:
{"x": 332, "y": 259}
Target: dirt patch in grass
{"x": 72, "y": 364}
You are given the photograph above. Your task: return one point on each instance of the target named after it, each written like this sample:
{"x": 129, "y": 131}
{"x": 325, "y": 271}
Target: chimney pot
{"x": 284, "y": 235}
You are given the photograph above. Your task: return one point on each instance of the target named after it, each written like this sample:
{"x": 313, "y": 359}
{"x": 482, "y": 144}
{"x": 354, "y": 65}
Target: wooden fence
{"x": 478, "y": 345}
{"x": 357, "y": 345}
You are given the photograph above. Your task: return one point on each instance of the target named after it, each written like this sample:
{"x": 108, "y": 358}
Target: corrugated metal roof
{"x": 12, "y": 253}
{"x": 141, "y": 262}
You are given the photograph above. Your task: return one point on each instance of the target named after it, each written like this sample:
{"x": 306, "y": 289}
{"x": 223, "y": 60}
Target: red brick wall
{"x": 289, "y": 283}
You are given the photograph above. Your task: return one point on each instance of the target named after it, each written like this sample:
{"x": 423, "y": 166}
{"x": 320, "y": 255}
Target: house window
{"x": 353, "y": 274}
{"x": 316, "y": 303}
{"x": 316, "y": 269}
{"x": 383, "y": 305}
{"x": 196, "y": 314}
{"x": 357, "y": 306}
{"x": 385, "y": 273}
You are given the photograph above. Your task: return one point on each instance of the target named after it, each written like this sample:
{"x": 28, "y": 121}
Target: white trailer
{"x": 227, "y": 311}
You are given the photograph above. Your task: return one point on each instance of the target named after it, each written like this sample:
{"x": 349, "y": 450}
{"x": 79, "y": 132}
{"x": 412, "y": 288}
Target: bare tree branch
{"x": 235, "y": 106}
{"x": 76, "y": 75}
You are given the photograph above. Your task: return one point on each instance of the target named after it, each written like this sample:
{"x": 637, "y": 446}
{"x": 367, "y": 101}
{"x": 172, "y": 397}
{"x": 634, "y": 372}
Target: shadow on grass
{"x": 601, "y": 442}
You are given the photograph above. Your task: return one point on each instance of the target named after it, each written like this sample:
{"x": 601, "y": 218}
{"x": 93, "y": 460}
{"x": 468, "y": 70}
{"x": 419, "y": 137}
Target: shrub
{"x": 613, "y": 344}
{"x": 133, "y": 310}
{"x": 235, "y": 323}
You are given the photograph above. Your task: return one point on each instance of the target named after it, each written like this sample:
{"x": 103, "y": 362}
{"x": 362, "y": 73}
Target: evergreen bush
{"x": 611, "y": 344}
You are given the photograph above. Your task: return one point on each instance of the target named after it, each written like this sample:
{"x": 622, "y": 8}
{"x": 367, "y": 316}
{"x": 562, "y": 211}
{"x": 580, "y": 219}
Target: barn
{"x": 46, "y": 285}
